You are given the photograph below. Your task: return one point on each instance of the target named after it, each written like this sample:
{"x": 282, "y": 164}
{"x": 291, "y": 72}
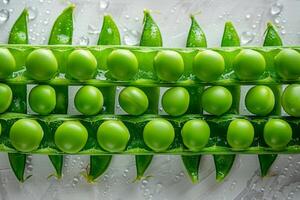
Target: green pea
{"x": 249, "y": 65}
{"x": 42, "y": 99}
{"x": 6, "y": 97}
{"x": 208, "y": 65}
{"x": 168, "y": 65}
{"x": 260, "y": 100}
{"x": 122, "y": 64}
{"x": 7, "y": 63}
{"x": 277, "y": 133}
{"x": 158, "y": 134}
{"x": 71, "y": 136}
{"x": 287, "y": 64}
{"x": 240, "y": 134}
{"x": 290, "y": 100}
{"x": 195, "y": 134}
{"x": 216, "y": 100}
{"x": 26, "y": 135}
{"x": 89, "y": 100}
{"x": 113, "y": 136}
{"x": 175, "y": 101}
{"x": 133, "y": 100}
{"x": 41, "y": 64}
{"x": 82, "y": 64}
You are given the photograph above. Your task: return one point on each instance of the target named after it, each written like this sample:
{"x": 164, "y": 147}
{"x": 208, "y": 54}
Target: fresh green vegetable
{"x": 42, "y": 99}
{"x": 133, "y": 100}
{"x": 71, "y": 136}
{"x": 88, "y": 100}
{"x": 277, "y": 133}
{"x": 260, "y": 100}
{"x": 216, "y": 100}
{"x": 287, "y": 64}
{"x": 7, "y": 64}
{"x": 98, "y": 165}
{"x": 26, "y": 135}
{"x": 158, "y": 134}
{"x": 196, "y": 37}
{"x": 290, "y": 100}
{"x": 240, "y": 134}
{"x": 208, "y": 65}
{"x": 223, "y": 165}
{"x": 175, "y": 101}
{"x": 6, "y": 97}
{"x": 18, "y": 163}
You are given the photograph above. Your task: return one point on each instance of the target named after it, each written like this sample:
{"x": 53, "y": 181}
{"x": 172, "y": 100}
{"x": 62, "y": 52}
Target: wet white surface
{"x": 168, "y": 181}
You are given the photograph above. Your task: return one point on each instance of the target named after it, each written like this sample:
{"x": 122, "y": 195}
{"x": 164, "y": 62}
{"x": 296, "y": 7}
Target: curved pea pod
{"x": 272, "y": 38}
{"x": 61, "y": 33}
{"x": 19, "y": 35}
{"x": 98, "y": 165}
{"x": 196, "y": 38}
{"x": 224, "y": 163}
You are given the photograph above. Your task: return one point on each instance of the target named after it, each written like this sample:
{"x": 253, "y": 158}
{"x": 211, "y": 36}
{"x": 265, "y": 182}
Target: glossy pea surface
{"x": 42, "y": 99}
{"x": 249, "y": 65}
{"x": 175, "y": 101}
{"x": 290, "y": 100}
{"x": 240, "y": 134}
{"x": 7, "y": 63}
{"x": 260, "y": 100}
{"x": 168, "y": 65}
{"x": 89, "y": 100}
{"x": 158, "y": 134}
{"x": 81, "y": 65}
{"x": 216, "y": 100}
{"x": 41, "y": 64}
{"x": 287, "y": 64}
{"x": 277, "y": 133}
{"x": 26, "y": 135}
{"x": 71, "y": 136}
{"x": 133, "y": 100}
{"x": 6, "y": 96}
{"x": 195, "y": 134}
{"x": 122, "y": 64}
{"x": 208, "y": 65}
{"x": 113, "y": 136}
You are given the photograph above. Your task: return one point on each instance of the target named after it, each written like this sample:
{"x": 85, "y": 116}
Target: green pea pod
{"x": 19, "y": 35}
{"x": 109, "y": 35}
{"x": 61, "y": 33}
{"x": 151, "y": 36}
{"x": 196, "y": 38}
{"x": 224, "y": 163}
{"x": 272, "y": 38}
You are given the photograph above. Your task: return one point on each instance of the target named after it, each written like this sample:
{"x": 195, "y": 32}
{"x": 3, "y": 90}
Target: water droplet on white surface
{"x": 92, "y": 29}
{"x": 4, "y": 15}
{"x": 5, "y": 1}
{"x": 254, "y": 26}
{"x": 32, "y": 13}
{"x": 276, "y": 8}
{"x": 47, "y": 12}
{"x": 131, "y": 39}
{"x": 103, "y": 4}
{"x": 283, "y": 32}
{"x": 277, "y": 20}
{"x": 127, "y": 17}
{"x": 233, "y": 184}
{"x": 83, "y": 40}
{"x": 247, "y": 37}
{"x": 248, "y": 16}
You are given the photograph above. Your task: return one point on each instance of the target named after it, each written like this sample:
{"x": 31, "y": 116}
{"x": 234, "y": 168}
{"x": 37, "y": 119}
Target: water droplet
{"x": 276, "y": 8}
{"x": 220, "y": 16}
{"x": 262, "y": 189}
{"x": 283, "y": 32}
{"x": 248, "y": 16}
{"x": 5, "y": 1}
{"x": 46, "y": 22}
{"x": 32, "y": 13}
{"x": 277, "y": 20}
{"x": 233, "y": 184}
{"x": 144, "y": 182}
{"x": 131, "y": 38}
{"x": 127, "y": 17}
{"x": 92, "y": 29}
{"x": 103, "y": 4}
{"x": 4, "y": 15}
{"x": 254, "y": 26}
{"x": 247, "y": 37}
{"x": 47, "y": 12}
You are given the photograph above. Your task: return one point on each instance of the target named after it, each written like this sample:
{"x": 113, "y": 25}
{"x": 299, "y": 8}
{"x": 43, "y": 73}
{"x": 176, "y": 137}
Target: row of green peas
{"x": 208, "y": 65}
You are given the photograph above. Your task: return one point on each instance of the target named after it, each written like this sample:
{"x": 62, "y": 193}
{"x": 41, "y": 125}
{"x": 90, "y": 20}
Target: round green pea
{"x": 175, "y": 101}
{"x": 42, "y": 99}
{"x": 122, "y": 64}
{"x": 6, "y": 96}
{"x": 41, "y": 64}
{"x": 195, "y": 134}
{"x": 158, "y": 134}
{"x": 260, "y": 100}
{"x": 89, "y": 100}
{"x": 249, "y": 65}
{"x": 113, "y": 136}
{"x": 208, "y": 65}
{"x": 277, "y": 133}
{"x": 168, "y": 65}
{"x": 133, "y": 100}
{"x": 71, "y": 136}
{"x": 287, "y": 64}
{"x": 240, "y": 134}
{"x": 216, "y": 100}
{"x": 290, "y": 100}
{"x": 7, "y": 63}
{"x": 26, "y": 135}
{"x": 81, "y": 65}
